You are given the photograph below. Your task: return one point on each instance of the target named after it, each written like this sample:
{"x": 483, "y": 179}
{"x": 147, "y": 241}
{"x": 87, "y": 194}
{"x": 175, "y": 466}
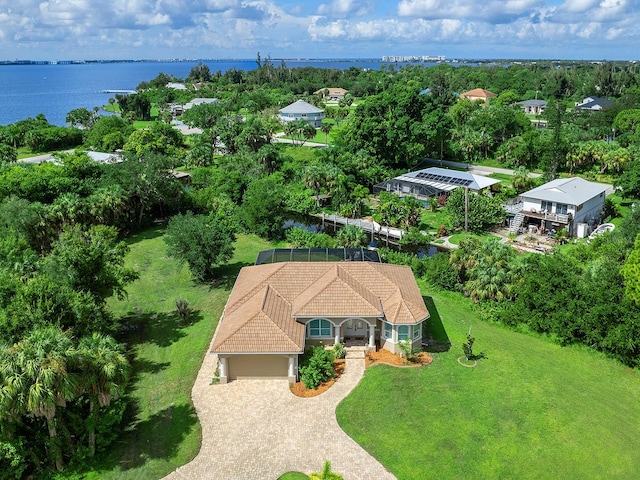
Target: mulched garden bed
{"x": 385, "y": 357}
{"x": 300, "y": 390}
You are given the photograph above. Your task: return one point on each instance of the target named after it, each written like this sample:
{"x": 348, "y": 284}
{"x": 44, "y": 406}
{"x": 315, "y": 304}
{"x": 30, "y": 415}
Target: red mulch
{"x": 381, "y": 357}
{"x": 300, "y": 390}
{"x": 385, "y": 357}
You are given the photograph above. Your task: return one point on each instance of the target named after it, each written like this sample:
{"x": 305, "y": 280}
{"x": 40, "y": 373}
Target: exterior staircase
{"x": 355, "y": 352}
{"x": 516, "y": 223}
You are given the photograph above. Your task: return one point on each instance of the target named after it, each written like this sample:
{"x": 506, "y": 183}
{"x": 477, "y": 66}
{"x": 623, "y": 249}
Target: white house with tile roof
{"x": 276, "y": 310}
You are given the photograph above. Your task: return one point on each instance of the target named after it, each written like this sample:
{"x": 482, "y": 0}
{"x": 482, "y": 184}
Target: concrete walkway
{"x": 257, "y": 429}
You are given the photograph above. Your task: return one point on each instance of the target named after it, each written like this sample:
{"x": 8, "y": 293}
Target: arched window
{"x": 319, "y": 328}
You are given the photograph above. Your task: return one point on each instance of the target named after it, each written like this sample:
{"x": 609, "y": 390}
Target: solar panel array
{"x": 463, "y": 182}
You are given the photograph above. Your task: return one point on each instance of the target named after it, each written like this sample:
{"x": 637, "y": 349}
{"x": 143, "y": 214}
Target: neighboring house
{"x": 533, "y": 107}
{"x": 302, "y": 110}
{"x": 178, "y": 109}
{"x": 276, "y": 310}
{"x": 433, "y": 182}
{"x": 102, "y": 157}
{"x": 478, "y": 94}
{"x": 176, "y": 86}
{"x": 593, "y": 104}
{"x": 571, "y": 203}
{"x": 332, "y": 94}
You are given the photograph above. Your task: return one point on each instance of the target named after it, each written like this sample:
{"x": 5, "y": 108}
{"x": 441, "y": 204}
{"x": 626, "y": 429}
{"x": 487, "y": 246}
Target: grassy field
{"x": 430, "y": 220}
{"x": 163, "y": 431}
{"x": 530, "y": 410}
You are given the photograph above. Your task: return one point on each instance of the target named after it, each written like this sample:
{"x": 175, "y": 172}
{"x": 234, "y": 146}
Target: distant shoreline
{"x": 475, "y": 61}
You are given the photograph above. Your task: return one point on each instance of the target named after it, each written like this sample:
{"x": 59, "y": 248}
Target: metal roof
{"x": 446, "y": 180}
{"x": 301, "y": 107}
{"x": 572, "y": 191}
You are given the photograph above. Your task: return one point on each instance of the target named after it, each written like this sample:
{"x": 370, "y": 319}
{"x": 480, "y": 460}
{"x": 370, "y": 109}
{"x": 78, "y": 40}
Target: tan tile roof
{"x": 478, "y": 93}
{"x": 331, "y": 90}
{"x": 337, "y": 294}
{"x": 261, "y": 310}
{"x": 261, "y": 324}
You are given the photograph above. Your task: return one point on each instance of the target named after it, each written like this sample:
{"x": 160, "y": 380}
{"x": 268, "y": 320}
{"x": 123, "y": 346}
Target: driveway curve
{"x": 257, "y": 429}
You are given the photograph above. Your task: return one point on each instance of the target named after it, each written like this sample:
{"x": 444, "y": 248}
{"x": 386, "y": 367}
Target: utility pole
{"x": 466, "y": 209}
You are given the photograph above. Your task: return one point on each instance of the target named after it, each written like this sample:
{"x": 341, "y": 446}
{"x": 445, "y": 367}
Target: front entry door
{"x": 355, "y": 329}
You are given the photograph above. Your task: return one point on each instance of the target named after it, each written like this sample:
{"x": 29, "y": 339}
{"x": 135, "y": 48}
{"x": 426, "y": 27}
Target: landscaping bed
{"x": 300, "y": 390}
{"x": 385, "y": 357}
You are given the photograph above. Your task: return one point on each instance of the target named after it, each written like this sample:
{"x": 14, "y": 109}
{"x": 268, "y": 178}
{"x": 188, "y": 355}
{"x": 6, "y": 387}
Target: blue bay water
{"x": 55, "y": 90}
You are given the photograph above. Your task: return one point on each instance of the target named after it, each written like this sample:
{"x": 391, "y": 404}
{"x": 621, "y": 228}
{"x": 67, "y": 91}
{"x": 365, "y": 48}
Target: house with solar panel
{"x": 433, "y": 182}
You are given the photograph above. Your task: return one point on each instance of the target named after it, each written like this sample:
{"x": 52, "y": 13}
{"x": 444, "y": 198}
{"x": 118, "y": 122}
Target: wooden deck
{"x": 550, "y": 217}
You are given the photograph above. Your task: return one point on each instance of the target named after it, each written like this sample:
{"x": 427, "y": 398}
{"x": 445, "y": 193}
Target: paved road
{"x": 257, "y": 429}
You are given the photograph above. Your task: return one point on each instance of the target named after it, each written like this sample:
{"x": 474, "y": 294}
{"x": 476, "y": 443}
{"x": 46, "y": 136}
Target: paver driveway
{"x": 257, "y": 429}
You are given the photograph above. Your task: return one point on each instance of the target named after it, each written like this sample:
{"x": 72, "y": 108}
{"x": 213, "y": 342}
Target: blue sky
{"x": 222, "y": 29}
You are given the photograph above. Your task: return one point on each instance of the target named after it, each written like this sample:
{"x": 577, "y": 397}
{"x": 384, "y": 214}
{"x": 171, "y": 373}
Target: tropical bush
{"x": 316, "y": 367}
{"x": 326, "y": 473}
{"x": 339, "y": 351}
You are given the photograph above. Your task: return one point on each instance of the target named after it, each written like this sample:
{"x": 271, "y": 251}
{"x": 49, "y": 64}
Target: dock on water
{"x": 123, "y": 92}
{"x": 389, "y": 235}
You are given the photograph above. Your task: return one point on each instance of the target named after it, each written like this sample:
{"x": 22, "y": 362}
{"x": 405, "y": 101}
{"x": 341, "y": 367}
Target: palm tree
{"x": 326, "y": 128}
{"x": 493, "y": 277}
{"x": 521, "y": 181}
{"x": 314, "y": 179}
{"x": 351, "y": 236}
{"x": 38, "y": 378}
{"x": 105, "y": 371}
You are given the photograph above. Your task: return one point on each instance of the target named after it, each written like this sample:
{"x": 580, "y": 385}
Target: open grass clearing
{"x": 531, "y": 410}
{"x": 430, "y": 221}
{"x": 163, "y": 432}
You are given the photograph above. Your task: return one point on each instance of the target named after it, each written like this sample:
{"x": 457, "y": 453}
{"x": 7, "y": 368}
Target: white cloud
{"x": 345, "y": 8}
{"x": 578, "y": 6}
{"x": 226, "y": 28}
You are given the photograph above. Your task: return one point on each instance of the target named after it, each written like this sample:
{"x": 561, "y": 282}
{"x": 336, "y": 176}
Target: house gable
{"x": 262, "y": 323}
{"x": 337, "y": 294}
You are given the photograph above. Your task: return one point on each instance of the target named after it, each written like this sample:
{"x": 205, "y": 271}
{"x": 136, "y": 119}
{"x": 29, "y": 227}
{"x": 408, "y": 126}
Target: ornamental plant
{"x": 317, "y": 367}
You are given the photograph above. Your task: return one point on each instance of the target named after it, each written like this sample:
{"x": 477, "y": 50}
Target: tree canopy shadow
{"x": 435, "y": 338}
{"x": 161, "y": 329}
{"x": 226, "y": 275}
{"x": 159, "y": 436}
{"x": 147, "y": 234}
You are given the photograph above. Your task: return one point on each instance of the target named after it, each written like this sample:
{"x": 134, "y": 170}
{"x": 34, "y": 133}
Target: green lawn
{"x": 531, "y": 410}
{"x": 430, "y": 220}
{"x": 163, "y": 431}
{"x": 294, "y": 476}
{"x": 503, "y": 177}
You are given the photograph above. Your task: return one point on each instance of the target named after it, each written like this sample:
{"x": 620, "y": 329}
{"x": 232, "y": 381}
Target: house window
{"x": 388, "y": 330}
{"x": 319, "y": 328}
{"x": 403, "y": 333}
{"x": 417, "y": 331}
{"x": 561, "y": 208}
{"x": 546, "y": 206}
